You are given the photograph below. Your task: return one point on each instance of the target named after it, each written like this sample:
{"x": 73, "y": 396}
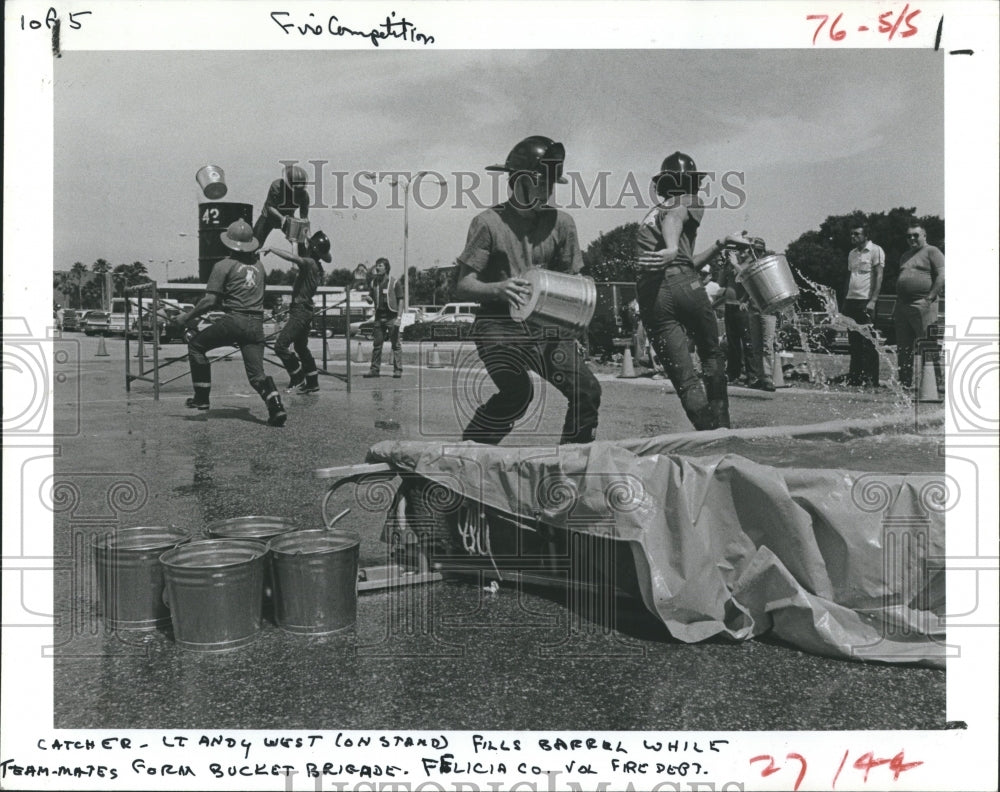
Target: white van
{"x": 456, "y": 312}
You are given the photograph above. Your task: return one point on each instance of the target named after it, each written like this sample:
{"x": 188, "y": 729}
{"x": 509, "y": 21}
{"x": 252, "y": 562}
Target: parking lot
{"x": 462, "y": 657}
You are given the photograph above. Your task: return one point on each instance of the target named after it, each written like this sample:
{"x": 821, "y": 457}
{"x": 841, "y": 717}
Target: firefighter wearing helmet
{"x": 673, "y": 302}
{"x": 300, "y": 364}
{"x": 236, "y": 287}
{"x": 284, "y": 196}
{"x": 503, "y": 243}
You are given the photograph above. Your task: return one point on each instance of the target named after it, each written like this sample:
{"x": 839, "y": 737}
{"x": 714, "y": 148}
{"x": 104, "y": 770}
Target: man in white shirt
{"x": 865, "y": 265}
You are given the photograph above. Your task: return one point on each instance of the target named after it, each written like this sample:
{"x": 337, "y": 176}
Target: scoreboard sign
{"x": 213, "y": 219}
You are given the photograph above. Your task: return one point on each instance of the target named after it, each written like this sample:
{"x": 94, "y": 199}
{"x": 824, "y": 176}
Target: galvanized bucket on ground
{"x": 769, "y": 283}
{"x": 557, "y": 299}
{"x": 129, "y": 575}
{"x": 315, "y": 580}
{"x": 297, "y": 230}
{"x": 214, "y": 589}
{"x": 212, "y": 180}
{"x": 256, "y": 528}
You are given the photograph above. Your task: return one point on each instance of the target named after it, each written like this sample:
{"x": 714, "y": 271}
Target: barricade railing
{"x": 152, "y": 374}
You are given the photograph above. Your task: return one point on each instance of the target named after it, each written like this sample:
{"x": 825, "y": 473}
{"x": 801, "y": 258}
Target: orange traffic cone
{"x": 928, "y": 382}
{"x": 435, "y": 358}
{"x": 628, "y": 370}
{"x": 102, "y": 349}
{"x": 359, "y": 355}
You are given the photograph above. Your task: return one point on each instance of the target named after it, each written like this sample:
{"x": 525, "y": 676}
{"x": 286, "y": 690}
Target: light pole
{"x": 406, "y": 182}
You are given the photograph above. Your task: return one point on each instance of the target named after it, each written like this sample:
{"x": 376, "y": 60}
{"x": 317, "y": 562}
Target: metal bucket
{"x": 315, "y": 580}
{"x": 557, "y": 298}
{"x": 214, "y": 591}
{"x": 130, "y": 577}
{"x": 212, "y": 180}
{"x": 256, "y": 528}
{"x": 769, "y": 283}
{"x": 297, "y": 230}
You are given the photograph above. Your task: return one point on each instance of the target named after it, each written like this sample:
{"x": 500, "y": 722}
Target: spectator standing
{"x": 763, "y": 329}
{"x": 386, "y": 294}
{"x": 865, "y": 266}
{"x": 920, "y": 284}
{"x": 736, "y": 319}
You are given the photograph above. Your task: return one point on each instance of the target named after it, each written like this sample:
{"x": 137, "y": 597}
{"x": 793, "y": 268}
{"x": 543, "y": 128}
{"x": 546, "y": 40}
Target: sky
{"x": 803, "y": 133}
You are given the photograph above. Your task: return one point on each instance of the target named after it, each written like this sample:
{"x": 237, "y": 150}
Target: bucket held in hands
{"x": 769, "y": 283}
{"x": 557, "y": 298}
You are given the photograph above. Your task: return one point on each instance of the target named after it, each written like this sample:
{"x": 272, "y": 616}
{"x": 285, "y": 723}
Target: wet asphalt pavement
{"x": 450, "y": 655}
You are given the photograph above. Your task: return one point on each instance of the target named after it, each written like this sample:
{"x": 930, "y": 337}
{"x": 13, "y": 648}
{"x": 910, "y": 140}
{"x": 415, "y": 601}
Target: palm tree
{"x": 63, "y": 283}
{"x": 77, "y": 274}
{"x": 101, "y": 267}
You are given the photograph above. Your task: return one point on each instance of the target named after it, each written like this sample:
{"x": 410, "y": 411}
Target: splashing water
{"x": 837, "y": 321}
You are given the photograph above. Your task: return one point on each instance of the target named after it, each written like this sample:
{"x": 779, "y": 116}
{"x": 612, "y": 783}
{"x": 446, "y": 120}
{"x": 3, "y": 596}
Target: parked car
{"x": 167, "y": 331}
{"x": 409, "y": 317}
{"x": 96, "y": 323}
{"x": 452, "y": 323}
{"x": 814, "y": 329}
{"x": 71, "y": 320}
{"x": 455, "y": 312}
{"x": 116, "y": 324}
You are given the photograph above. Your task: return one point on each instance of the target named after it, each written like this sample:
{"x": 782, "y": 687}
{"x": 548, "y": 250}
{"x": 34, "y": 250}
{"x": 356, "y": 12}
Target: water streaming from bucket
{"x": 828, "y": 297}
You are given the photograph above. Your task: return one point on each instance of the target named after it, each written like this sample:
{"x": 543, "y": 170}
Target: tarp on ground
{"x": 836, "y": 562}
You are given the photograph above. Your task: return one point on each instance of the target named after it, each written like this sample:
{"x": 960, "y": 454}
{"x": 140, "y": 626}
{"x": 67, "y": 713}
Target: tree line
{"x": 84, "y": 287}
{"x": 818, "y": 255}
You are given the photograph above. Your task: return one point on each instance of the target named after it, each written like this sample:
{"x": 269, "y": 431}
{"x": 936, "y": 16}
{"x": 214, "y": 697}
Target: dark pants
{"x": 386, "y": 327}
{"x": 232, "y": 328}
{"x": 673, "y": 303}
{"x": 739, "y": 349}
{"x": 509, "y": 353}
{"x": 913, "y": 323}
{"x": 864, "y": 356}
{"x": 296, "y": 333}
{"x": 264, "y": 226}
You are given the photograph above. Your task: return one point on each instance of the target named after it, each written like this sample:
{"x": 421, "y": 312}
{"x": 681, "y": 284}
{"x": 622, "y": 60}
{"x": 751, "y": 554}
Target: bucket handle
{"x": 336, "y": 518}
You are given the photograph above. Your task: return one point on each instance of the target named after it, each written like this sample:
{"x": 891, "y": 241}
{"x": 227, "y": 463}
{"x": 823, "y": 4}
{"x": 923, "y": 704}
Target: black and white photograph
{"x": 500, "y": 395}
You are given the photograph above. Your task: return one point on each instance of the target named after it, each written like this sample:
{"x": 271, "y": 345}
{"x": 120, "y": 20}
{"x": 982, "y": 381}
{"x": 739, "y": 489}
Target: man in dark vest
{"x": 386, "y": 294}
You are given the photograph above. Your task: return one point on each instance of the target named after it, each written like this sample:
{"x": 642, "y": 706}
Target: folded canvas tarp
{"x": 835, "y": 562}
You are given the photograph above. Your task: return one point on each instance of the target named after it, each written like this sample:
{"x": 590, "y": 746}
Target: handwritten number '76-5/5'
{"x": 902, "y": 24}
